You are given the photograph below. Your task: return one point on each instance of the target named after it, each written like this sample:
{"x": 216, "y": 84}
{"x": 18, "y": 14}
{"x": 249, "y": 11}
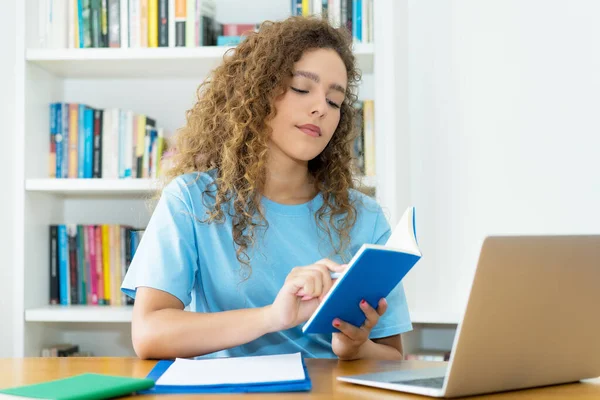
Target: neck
{"x": 288, "y": 181}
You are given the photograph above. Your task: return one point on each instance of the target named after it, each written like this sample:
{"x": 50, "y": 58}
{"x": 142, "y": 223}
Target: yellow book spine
{"x": 152, "y": 23}
{"x": 305, "y": 8}
{"x": 141, "y": 133}
{"x": 369, "y": 131}
{"x": 116, "y": 249}
{"x": 106, "y": 261}
{"x": 76, "y": 23}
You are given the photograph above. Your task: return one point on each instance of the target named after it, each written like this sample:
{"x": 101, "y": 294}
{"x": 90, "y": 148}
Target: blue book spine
{"x": 63, "y": 266}
{"x": 57, "y": 139}
{"x": 357, "y": 19}
{"x": 81, "y": 142}
{"x": 152, "y": 143}
{"x": 65, "y": 140}
{"x": 81, "y": 23}
{"x": 89, "y": 142}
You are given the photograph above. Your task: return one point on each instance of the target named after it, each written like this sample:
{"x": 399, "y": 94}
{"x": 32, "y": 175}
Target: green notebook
{"x": 84, "y": 386}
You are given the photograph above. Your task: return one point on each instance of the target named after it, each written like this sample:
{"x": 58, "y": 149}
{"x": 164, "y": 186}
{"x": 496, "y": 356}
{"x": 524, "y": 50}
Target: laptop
{"x": 532, "y": 319}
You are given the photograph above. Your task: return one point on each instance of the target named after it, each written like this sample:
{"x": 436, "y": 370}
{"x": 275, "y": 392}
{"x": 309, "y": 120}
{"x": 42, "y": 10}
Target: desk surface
{"x": 17, "y": 372}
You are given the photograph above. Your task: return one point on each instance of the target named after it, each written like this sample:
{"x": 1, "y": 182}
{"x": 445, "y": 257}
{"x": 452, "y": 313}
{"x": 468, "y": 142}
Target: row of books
{"x": 356, "y": 15}
{"x": 88, "y": 263}
{"x": 88, "y": 142}
{"x": 130, "y": 24}
{"x": 428, "y": 355}
{"x": 364, "y": 144}
{"x": 64, "y": 350}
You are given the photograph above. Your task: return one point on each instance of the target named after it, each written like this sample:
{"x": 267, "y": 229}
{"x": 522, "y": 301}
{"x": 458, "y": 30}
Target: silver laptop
{"x": 532, "y": 319}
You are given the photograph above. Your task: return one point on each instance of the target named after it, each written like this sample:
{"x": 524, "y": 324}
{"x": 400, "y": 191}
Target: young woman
{"x": 260, "y": 208}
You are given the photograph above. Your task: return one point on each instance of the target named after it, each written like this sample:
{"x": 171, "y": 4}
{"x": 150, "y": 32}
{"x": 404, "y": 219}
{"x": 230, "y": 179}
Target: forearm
{"x": 170, "y": 333}
{"x": 377, "y": 351}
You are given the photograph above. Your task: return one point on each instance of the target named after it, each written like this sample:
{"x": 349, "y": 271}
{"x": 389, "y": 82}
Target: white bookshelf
{"x": 79, "y": 313}
{"x": 147, "y": 62}
{"x": 91, "y": 186}
{"x": 160, "y": 83}
{"x": 114, "y": 186}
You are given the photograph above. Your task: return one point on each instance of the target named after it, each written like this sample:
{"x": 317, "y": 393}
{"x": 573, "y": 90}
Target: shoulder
{"x": 189, "y": 188}
{"x": 371, "y": 221}
{"x": 366, "y": 206}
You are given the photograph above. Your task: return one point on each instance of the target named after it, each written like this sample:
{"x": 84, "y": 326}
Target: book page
{"x": 235, "y": 370}
{"x": 403, "y": 236}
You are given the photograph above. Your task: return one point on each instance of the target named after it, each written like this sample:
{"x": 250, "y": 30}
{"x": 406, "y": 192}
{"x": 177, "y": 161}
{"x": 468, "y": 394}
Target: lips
{"x": 310, "y": 129}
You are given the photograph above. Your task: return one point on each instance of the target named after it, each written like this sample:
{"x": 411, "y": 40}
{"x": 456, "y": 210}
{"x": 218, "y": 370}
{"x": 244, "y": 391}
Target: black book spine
{"x": 73, "y": 267}
{"x": 104, "y": 24}
{"x": 163, "y": 23}
{"x": 97, "y": 157}
{"x": 128, "y": 256}
{"x": 54, "y": 294}
{"x": 95, "y": 23}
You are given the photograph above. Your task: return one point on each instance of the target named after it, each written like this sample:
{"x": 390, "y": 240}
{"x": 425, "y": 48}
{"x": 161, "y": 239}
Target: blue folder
{"x": 264, "y": 387}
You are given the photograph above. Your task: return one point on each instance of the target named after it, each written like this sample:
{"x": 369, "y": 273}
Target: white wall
{"x": 252, "y": 11}
{"x": 504, "y": 105}
{"x": 7, "y": 116}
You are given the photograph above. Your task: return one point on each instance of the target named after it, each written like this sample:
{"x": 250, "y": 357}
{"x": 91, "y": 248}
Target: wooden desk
{"x": 16, "y": 372}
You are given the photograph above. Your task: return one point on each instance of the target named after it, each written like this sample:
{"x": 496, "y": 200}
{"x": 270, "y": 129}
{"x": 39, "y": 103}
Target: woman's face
{"x": 308, "y": 112}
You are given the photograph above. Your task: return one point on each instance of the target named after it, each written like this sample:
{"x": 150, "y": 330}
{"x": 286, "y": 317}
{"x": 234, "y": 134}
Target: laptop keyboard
{"x": 436, "y": 383}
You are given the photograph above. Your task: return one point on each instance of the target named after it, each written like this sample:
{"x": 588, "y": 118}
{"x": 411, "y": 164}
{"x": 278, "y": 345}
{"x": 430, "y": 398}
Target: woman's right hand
{"x": 301, "y": 294}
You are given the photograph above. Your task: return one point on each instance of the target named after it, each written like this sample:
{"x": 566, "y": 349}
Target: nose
{"x": 319, "y": 106}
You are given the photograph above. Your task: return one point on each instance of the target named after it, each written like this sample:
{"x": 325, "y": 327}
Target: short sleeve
{"x": 396, "y": 319}
{"x": 166, "y": 258}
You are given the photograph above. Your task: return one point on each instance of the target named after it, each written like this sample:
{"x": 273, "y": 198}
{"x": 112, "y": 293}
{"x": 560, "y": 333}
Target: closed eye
{"x": 298, "y": 90}
{"x": 331, "y": 103}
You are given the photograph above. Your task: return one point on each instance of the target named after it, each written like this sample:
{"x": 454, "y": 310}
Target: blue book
{"x": 65, "y": 140}
{"x": 89, "y": 142}
{"x": 63, "y": 266}
{"x": 373, "y": 272}
{"x": 81, "y": 142}
{"x": 254, "y": 374}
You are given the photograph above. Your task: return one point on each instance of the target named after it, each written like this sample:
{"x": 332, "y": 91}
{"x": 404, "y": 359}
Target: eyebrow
{"x": 314, "y": 77}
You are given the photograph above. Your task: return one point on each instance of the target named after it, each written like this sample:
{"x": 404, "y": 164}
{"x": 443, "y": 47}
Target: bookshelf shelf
{"x": 79, "y": 313}
{"x": 113, "y": 186}
{"x": 91, "y": 186}
{"x": 178, "y": 62}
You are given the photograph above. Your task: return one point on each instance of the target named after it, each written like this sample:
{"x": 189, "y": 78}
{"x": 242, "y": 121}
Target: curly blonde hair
{"x": 227, "y": 130}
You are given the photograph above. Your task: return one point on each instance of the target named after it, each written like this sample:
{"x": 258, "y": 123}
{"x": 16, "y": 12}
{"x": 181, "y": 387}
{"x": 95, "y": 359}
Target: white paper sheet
{"x": 235, "y": 370}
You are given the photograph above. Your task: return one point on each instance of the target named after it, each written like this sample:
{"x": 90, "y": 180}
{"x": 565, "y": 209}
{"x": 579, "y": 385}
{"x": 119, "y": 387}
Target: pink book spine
{"x": 99, "y": 263}
{"x": 93, "y": 282}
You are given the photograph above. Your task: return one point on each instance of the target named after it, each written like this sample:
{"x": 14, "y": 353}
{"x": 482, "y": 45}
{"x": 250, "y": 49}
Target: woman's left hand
{"x": 347, "y": 344}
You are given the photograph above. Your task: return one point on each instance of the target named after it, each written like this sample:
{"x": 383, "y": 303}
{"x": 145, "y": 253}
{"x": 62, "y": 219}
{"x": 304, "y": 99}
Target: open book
{"x": 373, "y": 272}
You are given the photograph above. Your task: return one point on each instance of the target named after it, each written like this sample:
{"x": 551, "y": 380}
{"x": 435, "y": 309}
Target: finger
{"x": 309, "y": 285}
{"x": 294, "y": 285}
{"x": 371, "y": 314}
{"x": 324, "y": 276}
{"x": 382, "y": 307}
{"x": 349, "y": 330}
{"x": 332, "y": 265}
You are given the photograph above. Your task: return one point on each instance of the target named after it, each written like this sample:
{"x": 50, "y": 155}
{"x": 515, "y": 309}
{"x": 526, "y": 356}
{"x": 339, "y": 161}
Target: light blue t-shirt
{"x": 196, "y": 262}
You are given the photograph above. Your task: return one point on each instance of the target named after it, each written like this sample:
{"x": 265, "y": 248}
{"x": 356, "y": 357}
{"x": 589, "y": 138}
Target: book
{"x": 253, "y": 374}
{"x": 373, "y": 272}
{"x": 83, "y": 386}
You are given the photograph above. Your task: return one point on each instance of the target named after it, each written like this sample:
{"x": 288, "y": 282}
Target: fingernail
{"x": 384, "y": 301}
{"x": 336, "y": 323}
{"x": 363, "y": 302}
